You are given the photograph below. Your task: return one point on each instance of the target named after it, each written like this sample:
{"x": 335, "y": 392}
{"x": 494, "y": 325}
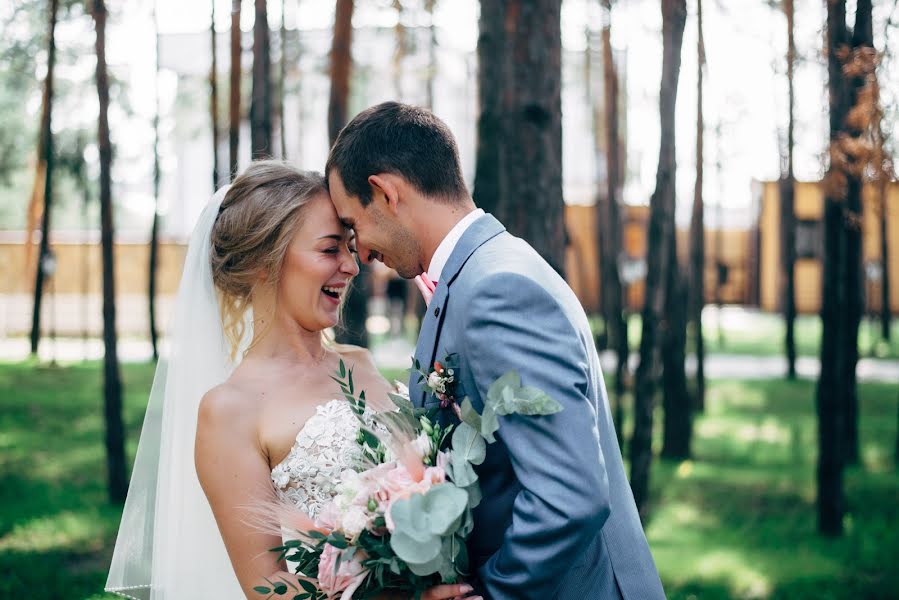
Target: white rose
{"x": 354, "y": 521}
{"x": 434, "y": 380}
{"x": 422, "y": 445}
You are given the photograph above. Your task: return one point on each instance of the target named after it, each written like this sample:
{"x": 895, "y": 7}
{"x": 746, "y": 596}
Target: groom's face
{"x": 380, "y": 234}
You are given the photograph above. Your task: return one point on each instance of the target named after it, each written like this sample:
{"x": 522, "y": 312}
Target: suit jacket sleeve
{"x": 511, "y": 322}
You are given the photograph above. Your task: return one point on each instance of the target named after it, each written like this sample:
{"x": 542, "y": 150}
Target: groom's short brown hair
{"x": 402, "y": 139}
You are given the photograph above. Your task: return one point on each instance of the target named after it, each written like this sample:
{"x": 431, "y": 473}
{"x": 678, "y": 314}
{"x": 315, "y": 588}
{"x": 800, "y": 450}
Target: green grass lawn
{"x": 736, "y": 522}
{"x": 762, "y": 334}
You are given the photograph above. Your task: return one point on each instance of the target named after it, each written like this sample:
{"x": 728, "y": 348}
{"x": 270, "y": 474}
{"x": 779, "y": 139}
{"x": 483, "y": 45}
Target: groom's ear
{"x": 384, "y": 187}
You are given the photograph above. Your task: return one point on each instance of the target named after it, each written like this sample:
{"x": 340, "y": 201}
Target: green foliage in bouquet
{"x": 426, "y": 527}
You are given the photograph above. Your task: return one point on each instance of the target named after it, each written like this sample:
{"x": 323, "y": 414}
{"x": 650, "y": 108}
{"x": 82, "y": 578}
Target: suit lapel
{"x": 482, "y": 230}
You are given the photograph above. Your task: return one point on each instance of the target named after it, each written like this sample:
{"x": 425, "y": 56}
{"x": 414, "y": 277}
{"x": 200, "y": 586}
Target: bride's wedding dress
{"x": 326, "y": 446}
{"x": 169, "y": 546}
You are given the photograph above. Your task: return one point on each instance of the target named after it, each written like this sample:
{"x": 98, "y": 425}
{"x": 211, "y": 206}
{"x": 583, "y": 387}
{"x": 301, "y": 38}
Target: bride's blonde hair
{"x": 257, "y": 219}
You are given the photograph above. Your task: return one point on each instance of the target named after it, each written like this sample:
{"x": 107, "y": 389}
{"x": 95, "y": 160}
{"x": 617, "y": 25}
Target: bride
{"x": 244, "y": 410}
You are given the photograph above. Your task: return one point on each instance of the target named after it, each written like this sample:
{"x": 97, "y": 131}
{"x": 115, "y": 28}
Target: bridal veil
{"x": 169, "y": 546}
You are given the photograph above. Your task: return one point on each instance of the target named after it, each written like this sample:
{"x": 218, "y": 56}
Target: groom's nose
{"x": 366, "y": 254}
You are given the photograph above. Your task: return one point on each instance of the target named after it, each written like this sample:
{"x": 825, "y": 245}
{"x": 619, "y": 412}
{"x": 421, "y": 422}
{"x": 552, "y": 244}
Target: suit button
{"x": 437, "y": 312}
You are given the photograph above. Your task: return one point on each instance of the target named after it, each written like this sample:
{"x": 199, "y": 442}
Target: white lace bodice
{"x": 324, "y": 448}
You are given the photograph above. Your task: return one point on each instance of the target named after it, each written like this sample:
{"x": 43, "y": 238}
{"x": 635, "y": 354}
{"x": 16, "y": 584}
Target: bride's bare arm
{"x": 234, "y": 474}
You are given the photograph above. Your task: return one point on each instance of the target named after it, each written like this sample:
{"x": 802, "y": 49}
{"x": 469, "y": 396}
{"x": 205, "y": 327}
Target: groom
{"x": 558, "y": 519}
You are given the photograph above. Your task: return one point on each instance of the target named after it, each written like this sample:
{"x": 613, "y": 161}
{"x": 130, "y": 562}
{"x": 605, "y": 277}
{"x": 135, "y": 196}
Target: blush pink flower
{"x": 344, "y": 580}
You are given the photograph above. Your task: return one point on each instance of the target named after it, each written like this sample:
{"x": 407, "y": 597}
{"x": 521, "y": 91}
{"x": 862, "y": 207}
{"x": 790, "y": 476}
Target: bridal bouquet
{"x": 399, "y": 523}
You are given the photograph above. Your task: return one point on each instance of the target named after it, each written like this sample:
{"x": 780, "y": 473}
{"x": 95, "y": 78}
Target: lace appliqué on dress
{"x": 324, "y": 448}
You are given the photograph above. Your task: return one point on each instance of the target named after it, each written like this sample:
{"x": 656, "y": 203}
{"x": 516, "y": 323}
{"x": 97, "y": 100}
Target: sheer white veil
{"x": 169, "y": 545}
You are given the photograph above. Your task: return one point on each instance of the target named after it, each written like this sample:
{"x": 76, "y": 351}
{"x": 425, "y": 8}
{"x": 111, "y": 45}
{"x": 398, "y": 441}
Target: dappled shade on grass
{"x": 738, "y": 521}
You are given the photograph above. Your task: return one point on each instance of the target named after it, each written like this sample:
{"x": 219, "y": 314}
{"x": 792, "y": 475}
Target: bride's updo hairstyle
{"x": 256, "y": 222}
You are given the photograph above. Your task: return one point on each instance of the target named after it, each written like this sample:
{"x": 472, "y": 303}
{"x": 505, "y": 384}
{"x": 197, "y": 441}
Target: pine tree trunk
{"x": 492, "y": 76}
{"x": 399, "y": 51}
{"x": 534, "y": 137}
{"x": 261, "y": 103}
{"x": 841, "y": 309}
{"x": 788, "y": 214}
{"x": 696, "y": 300}
{"x": 234, "y": 96}
{"x": 610, "y": 222}
{"x": 863, "y": 38}
{"x": 661, "y": 230}
{"x": 355, "y": 314}
{"x": 153, "y": 267}
{"x": 529, "y": 165}
{"x": 677, "y": 430}
{"x": 341, "y": 65}
{"x": 432, "y": 53}
{"x": 282, "y": 79}
{"x": 213, "y": 101}
{"x": 115, "y": 430}
{"x": 45, "y": 168}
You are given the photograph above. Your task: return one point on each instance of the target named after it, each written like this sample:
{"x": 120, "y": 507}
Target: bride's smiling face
{"x": 318, "y": 267}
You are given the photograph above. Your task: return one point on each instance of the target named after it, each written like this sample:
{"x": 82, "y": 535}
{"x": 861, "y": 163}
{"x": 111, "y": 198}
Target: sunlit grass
{"x": 762, "y": 334}
{"x": 735, "y": 521}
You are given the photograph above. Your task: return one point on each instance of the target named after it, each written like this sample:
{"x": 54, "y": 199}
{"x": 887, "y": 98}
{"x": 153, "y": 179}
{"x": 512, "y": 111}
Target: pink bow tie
{"x": 426, "y": 286}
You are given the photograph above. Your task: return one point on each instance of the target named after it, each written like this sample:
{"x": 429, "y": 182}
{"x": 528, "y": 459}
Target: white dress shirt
{"x": 446, "y": 247}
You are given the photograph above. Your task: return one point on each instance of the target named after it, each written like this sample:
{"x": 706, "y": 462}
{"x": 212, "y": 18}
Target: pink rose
{"x": 328, "y": 517}
{"x": 346, "y": 579}
{"x": 432, "y": 476}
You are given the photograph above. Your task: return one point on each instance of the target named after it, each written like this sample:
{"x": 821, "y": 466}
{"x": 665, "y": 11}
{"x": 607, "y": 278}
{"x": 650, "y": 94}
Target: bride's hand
{"x": 438, "y": 592}
{"x": 450, "y": 591}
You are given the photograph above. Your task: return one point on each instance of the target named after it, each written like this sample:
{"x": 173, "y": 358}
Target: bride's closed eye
{"x": 336, "y": 249}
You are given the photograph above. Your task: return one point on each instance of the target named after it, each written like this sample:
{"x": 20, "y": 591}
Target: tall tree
{"x": 44, "y": 171}
{"x": 609, "y": 219}
{"x": 787, "y": 210}
{"x": 115, "y": 430}
{"x": 851, "y": 62}
{"x": 234, "y": 94}
{"x": 282, "y": 80}
{"x": 355, "y": 313}
{"x": 261, "y": 103}
{"x": 520, "y": 139}
{"x": 153, "y": 268}
{"x": 432, "y": 53}
{"x": 661, "y": 231}
{"x": 341, "y": 65}
{"x": 697, "y": 222}
{"x": 214, "y": 100}
{"x": 489, "y": 182}
{"x": 400, "y": 50}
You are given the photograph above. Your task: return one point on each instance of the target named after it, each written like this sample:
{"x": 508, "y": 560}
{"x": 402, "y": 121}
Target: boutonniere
{"x": 440, "y": 380}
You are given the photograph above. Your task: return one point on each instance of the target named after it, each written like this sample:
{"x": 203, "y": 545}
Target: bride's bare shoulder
{"x": 355, "y": 355}
{"x": 226, "y": 406}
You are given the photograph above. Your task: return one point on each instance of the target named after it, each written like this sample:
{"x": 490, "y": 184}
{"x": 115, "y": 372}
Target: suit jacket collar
{"x": 481, "y": 231}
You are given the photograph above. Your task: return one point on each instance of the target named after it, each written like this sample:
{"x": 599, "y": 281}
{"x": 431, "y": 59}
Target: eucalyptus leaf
{"x": 469, "y": 414}
{"x": 464, "y": 474}
{"x": 414, "y": 551}
{"x": 436, "y": 512}
{"x": 507, "y": 396}
{"x": 489, "y": 423}
{"x": 474, "y": 495}
{"x": 469, "y": 444}
{"x": 509, "y": 380}
{"x": 401, "y": 402}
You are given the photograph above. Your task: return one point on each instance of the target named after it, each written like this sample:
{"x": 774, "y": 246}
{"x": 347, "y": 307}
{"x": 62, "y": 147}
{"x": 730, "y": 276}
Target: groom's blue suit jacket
{"x": 557, "y": 519}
